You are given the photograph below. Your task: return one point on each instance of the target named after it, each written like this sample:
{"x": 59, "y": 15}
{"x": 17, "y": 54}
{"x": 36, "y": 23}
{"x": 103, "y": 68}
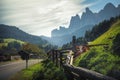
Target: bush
{"x": 49, "y": 72}
{"x": 15, "y": 45}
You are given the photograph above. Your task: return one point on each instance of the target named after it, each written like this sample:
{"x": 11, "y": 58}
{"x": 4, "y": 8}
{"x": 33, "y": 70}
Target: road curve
{"x": 8, "y": 70}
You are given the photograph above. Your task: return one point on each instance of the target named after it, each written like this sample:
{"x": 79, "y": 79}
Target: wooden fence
{"x": 57, "y": 57}
{"x": 74, "y": 73}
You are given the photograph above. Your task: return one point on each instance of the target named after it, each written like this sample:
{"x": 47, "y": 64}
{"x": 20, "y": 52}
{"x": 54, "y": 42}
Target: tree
{"x": 15, "y": 45}
{"x": 30, "y": 48}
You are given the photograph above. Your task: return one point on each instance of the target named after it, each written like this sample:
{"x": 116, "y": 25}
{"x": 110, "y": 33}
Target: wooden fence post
{"x": 56, "y": 57}
{"x": 61, "y": 63}
{"x": 26, "y": 63}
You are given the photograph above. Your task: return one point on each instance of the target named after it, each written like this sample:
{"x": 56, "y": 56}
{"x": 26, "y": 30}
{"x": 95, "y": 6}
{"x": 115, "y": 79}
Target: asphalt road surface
{"x": 9, "y": 69}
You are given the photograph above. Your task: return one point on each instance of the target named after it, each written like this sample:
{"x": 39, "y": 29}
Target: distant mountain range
{"x": 15, "y": 33}
{"x": 78, "y": 26}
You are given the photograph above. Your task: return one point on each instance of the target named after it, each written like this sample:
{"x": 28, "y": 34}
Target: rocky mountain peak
{"x": 88, "y": 10}
{"x": 109, "y": 6}
{"x": 74, "y": 21}
{"x": 88, "y": 14}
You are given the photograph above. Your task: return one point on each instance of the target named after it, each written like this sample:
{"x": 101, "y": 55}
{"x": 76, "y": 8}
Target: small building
{"x": 15, "y": 57}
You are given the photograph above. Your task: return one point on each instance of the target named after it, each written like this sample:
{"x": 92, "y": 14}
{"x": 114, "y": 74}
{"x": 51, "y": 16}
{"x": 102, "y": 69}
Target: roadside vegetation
{"x": 44, "y": 70}
{"x": 49, "y": 71}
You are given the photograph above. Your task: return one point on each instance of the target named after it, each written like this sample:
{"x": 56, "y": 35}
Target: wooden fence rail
{"x": 80, "y": 73}
{"x": 72, "y": 72}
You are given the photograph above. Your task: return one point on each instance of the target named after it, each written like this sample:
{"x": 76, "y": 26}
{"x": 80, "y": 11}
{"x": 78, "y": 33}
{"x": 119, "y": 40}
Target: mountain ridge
{"x": 7, "y": 31}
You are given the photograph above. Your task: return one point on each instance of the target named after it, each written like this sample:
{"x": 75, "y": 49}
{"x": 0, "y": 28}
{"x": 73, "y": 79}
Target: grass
{"x": 27, "y": 74}
{"x": 108, "y": 37}
{"x": 101, "y": 59}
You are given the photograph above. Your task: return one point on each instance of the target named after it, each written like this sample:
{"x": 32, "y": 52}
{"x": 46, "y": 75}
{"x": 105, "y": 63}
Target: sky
{"x": 40, "y": 17}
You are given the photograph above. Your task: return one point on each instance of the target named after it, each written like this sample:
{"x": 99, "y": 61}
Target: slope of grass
{"x": 102, "y": 59}
{"x": 108, "y": 37}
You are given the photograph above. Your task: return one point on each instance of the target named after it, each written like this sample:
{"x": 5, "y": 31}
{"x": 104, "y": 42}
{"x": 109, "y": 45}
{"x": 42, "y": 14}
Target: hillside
{"x": 15, "y": 33}
{"x": 109, "y": 36}
{"x": 104, "y": 59}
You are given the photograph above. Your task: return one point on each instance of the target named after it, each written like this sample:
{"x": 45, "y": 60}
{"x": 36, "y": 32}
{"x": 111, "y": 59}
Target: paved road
{"x": 9, "y": 69}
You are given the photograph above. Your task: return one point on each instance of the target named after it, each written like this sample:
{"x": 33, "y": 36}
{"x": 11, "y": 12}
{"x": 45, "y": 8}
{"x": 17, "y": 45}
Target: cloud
{"x": 39, "y": 17}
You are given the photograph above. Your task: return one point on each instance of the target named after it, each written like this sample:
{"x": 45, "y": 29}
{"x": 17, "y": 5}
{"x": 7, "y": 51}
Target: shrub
{"x": 49, "y": 72}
